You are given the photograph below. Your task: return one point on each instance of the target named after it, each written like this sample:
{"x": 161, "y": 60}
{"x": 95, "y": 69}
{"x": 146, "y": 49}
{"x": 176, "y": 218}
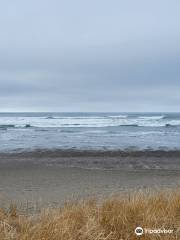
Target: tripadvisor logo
{"x": 140, "y": 231}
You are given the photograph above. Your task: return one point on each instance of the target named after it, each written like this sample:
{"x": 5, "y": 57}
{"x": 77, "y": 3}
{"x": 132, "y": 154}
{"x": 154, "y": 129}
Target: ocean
{"x": 89, "y": 131}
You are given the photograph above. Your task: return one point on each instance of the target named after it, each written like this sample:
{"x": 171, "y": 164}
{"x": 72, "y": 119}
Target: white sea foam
{"x": 74, "y": 122}
{"x": 151, "y": 117}
{"x": 118, "y": 116}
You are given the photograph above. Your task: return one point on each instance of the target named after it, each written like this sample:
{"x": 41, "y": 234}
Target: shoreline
{"x": 95, "y": 159}
{"x": 93, "y": 152}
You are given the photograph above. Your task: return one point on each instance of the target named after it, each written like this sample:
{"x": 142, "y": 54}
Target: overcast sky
{"x": 90, "y": 55}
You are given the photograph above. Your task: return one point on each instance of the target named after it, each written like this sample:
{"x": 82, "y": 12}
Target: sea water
{"x": 135, "y": 131}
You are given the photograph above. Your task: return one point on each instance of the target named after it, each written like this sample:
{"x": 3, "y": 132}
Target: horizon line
{"x": 89, "y": 112}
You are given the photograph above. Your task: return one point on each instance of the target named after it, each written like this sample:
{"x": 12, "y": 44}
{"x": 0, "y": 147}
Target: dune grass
{"x": 114, "y": 218}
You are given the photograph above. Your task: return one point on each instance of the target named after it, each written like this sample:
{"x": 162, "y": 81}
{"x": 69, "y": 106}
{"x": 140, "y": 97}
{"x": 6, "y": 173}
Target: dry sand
{"x": 47, "y": 179}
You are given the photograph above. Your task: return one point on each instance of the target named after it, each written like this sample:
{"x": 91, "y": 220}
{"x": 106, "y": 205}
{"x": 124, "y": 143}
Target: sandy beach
{"x": 49, "y": 178}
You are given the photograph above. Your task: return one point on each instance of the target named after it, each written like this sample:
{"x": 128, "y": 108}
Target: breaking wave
{"x": 88, "y": 121}
{"x": 6, "y": 126}
{"x": 152, "y": 117}
{"x": 118, "y": 116}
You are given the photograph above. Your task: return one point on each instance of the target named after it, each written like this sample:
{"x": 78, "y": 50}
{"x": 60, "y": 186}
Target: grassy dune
{"x": 111, "y": 219}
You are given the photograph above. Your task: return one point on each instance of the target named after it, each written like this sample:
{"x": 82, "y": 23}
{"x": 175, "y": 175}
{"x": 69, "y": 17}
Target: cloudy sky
{"x": 90, "y": 55}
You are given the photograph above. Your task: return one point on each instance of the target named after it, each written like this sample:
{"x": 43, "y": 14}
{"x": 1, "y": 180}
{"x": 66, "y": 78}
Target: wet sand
{"x": 48, "y": 179}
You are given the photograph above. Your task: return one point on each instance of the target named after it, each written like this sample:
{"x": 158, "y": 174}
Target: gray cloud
{"x": 89, "y": 55}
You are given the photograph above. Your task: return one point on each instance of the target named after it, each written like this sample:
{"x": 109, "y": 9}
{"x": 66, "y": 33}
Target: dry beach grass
{"x": 114, "y": 218}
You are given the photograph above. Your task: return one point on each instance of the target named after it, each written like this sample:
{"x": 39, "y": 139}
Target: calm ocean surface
{"x": 30, "y": 131}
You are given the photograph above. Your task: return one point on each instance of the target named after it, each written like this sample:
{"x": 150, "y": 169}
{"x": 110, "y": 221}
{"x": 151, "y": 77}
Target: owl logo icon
{"x": 139, "y": 231}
